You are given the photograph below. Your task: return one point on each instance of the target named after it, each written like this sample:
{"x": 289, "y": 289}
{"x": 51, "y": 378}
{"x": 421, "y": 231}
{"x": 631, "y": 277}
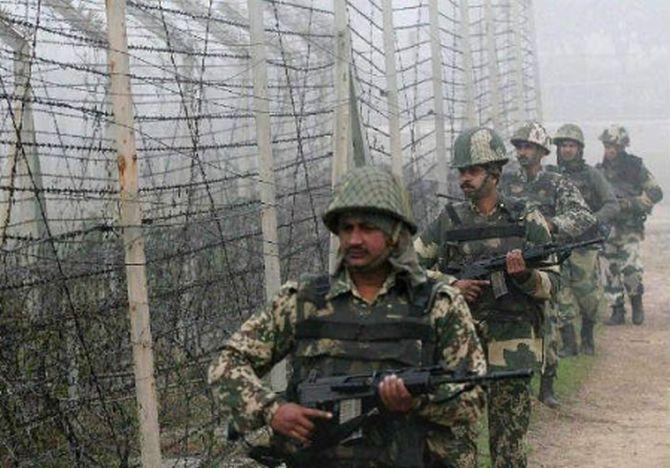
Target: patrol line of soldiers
{"x": 387, "y": 305}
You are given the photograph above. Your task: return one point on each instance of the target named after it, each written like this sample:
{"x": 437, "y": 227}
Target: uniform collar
{"x": 342, "y": 284}
{"x": 501, "y": 205}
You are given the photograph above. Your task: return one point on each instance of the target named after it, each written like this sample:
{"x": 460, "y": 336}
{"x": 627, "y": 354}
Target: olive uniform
{"x": 509, "y": 314}
{"x": 581, "y": 290}
{"x": 328, "y": 328}
{"x": 561, "y": 202}
{"x": 637, "y": 192}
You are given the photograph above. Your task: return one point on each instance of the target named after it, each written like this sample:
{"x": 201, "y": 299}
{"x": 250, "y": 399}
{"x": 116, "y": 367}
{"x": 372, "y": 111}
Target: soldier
{"x": 378, "y": 311}
{"x": 637, "y": 192}
{"x": 566, "y": 213}
{"x": 509, "y": 306}
{"x": 581, "y": 288}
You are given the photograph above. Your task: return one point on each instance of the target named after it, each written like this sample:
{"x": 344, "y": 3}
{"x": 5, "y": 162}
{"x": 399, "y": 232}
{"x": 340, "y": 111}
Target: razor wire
{"x": 66, "y": 380}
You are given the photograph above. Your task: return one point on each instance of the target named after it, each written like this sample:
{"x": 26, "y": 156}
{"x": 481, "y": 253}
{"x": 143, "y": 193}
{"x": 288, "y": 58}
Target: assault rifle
{"x": 355, "y": 398}
{"x": 534, "y": 257}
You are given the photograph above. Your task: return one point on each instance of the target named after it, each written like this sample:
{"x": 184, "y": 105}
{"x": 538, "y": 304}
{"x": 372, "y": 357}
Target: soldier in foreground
{"x": 637, "y": 192}
{"x": 581, "y": 290}
{"x": 566, "y": 213}
{"x": 378, "y": 311}
{"x": 509, "y": 305}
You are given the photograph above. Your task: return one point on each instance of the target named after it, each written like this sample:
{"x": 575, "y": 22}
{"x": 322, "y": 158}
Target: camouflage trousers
{"x": 551, "y": 338}
{"x": 509, "y": 406}
{"x": 581, "y": 291}
{"x": 623, "y": 267}
{"x": 509, "y": 417}
{"x": 454, "y": 447}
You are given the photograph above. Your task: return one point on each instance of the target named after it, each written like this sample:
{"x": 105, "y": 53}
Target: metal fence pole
{"x": 519, "y": 92}
{"x": 392, "y": 88}
{"x": 438, "y": 97}
{"x": 492, "y": 63}
{"x": 133, "y": 240}
{"x": 468, "y": 78}
{"x": 342, "y": 117}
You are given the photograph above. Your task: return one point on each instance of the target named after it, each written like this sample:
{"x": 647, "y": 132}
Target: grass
{"x": 571, "y": 375}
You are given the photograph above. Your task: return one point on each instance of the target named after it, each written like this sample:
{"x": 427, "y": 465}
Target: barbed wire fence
{"x": 242, "y": 111}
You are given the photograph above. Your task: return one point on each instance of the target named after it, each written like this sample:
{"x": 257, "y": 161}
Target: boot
{"x": 638, "y": 310}
{"x": 569, "y": 341}
{"x": 588, "y": 346}
{"x": 546, "y": 395}
{"x": 618, "y": 316}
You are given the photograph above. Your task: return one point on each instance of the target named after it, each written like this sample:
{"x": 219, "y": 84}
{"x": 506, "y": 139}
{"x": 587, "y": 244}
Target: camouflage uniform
{"x": 581, "y": 288}
{"x": 637, "y": 192}
{"x": 560, "y": 202}
{"x": 314, "y": 321}
{"x": 510, "y": 325}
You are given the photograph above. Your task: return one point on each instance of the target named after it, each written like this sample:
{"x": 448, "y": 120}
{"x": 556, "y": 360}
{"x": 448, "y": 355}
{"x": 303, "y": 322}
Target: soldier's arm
{"x": 573, "y": 216}
{"x": 262, "y": 341}
{"x": 458, "y": 347}
{"x": 610, "y": 205}
{"x": 427, "y": 244}
{"x": 651, "y": 192}
{"x": 542, "y": 282}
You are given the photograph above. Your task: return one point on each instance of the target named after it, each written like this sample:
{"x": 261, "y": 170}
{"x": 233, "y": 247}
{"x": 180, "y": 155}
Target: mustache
{"x": 355, "y": 250}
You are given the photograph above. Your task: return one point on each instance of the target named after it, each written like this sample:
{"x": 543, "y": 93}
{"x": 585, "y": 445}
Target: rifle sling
{"x": 485, "y": 232}
{"x": 313, "y": 328}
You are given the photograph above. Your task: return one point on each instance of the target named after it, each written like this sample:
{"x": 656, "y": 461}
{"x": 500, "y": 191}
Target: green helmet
{"x": 615, "y": 135}
{"x": 569, "y": 132}
{"x": 533, "y": 132}
{"x": 370, "y": 189}
{"x": 477, "y": 146}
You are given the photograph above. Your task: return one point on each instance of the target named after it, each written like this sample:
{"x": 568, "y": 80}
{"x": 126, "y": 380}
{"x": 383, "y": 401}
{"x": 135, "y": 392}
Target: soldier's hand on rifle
{"x": 295, "y": 421}
{"x": 395, "y": 395}
{"x": 516, "y": 265}
{"x": 471, "y": 289}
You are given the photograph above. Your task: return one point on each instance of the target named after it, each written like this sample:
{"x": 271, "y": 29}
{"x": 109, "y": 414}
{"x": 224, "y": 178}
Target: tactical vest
{"x": 625, "y": 174}
{"x": 581, "y": 176}
{"x": 466, "y": 243}
{"x": 395, "y": 333}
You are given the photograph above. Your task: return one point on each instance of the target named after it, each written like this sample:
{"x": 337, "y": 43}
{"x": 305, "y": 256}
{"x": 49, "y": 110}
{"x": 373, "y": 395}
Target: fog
{"x": 603, "y": 62}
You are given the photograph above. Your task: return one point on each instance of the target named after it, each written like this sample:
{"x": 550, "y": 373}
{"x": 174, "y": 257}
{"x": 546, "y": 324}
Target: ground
{"x": 620, "y": 417}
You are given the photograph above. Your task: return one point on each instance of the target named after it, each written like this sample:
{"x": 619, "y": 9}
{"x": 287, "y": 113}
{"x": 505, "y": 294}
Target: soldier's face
{"x": 568, "y": 150}
{"x": 528, "y": 154}
{"x": 362, "y": 244}
{"x": 474, "y": 182}
{"x": 611, "y": 151}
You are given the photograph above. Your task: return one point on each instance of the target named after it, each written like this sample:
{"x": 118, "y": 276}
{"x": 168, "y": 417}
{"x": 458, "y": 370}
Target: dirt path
{"x": 621, "y": 416}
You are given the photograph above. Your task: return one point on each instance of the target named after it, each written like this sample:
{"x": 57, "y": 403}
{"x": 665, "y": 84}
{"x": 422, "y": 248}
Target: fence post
{"x": 392, "y": 89}
{"x": 492, "y": 60}
{"x": 530, "y": 11}
{"x": 438, "y": 97}
{"x": 133, "y": 240}
{"x": 519, "y": 92}
{"x": 266, "y": 167}
{"x": 470, "y": 117}
{"x": 342, "y": 121}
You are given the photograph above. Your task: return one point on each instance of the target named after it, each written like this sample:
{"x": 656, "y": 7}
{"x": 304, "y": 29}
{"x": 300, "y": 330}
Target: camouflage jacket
{"x": 594, "y": 187}
{"x": 636, "y": 189}
{"x": 556, "y": 197}
{"x": 510, "y": 324}
{"x": 270, "y": 335}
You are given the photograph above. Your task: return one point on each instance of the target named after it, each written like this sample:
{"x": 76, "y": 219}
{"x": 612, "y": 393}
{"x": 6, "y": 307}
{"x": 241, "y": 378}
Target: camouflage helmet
{"x": 569, "y": 132}
{"x": 533, "y": 132}
{"x": 477, "y": 146}
{"x": 615, "y": 135}
{"x": 371, "y": 189}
